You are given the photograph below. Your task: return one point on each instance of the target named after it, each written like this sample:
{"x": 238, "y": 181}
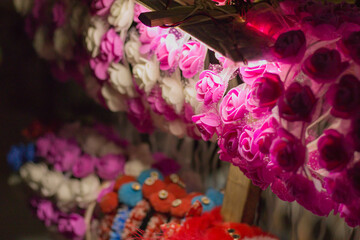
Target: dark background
{"x": 27, "y": 93}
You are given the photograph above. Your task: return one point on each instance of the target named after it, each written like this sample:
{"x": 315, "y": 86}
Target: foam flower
{"x": 110, "y": 166}
{"x": 207, "y": 124}
{"x": 344, "y": 97}
{"x": 297, "y": 103}
{"x": 264, "y": 92}
{"x": 287, "y": 151}
{"x": 192, "y": 58}
{"x": 290, "y": 46}
{"x": 101, "y": 7}
{"x": 232, "y": 108}
{"x": 167, "y": 52}
{"x": 324, "y": 65}
{"x": 72, "y": 226}
{"x": 84, "y": 166}
{"x": 334, "y": 151}
{"x": 210, "y": 87}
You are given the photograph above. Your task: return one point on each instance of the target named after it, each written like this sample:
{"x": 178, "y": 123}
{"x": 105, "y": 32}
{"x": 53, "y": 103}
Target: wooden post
{"x": 241, "y": 198}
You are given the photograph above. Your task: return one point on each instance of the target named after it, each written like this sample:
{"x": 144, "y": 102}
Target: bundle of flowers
{"x": 293, "y": 124}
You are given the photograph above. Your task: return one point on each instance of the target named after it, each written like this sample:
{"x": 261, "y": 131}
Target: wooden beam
{"x": 241, "y": 198}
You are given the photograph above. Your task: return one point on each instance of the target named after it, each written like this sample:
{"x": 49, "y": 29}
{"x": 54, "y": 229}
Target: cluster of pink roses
{"x": 293, "y": 124}
{"x": 71, "y": 225}
{"x": 65, "y": 155}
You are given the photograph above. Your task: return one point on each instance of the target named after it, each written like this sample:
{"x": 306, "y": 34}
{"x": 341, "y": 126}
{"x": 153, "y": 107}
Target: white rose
{"x": 63, "y": 43}
{"x": 88, "y": 190}
{"x": 50, "y": 183}
{"x": 147, "y": 73}
{"x": 177, "y": 128}
{"x": 23, "y": 6}
{"x": 121, "y": 79}
{"x": 94, "y": 33}
{"x": 66, "y": 194}
{"x": 134, "y": 167}
{"x": 32, "y": 173}
{"x": 190, "y": 95}
{"x": 114, "y": 100}
{"x": 110, "y": 148}
{"x": 172, "y": 92}
{"x": 92, "y": 143}
{"x": 42, "y": 45}
{"x": 132, "y": 48}
{"x": 121, "y": 14}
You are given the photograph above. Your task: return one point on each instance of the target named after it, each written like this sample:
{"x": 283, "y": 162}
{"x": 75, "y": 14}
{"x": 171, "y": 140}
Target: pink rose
{"x": 111, "y": 50}
{"x": 264, "y": 92}
{"x": 207, "y": 124}
{"x": 138, "y": 9}
{"x": 224, "y": 61}
{"x": 232, "y": 108}
{"x": 159, "y": 106}
{"x": 72, "y": 226}
{"x": 351, "y": 214}
{"x": 43, "y": 145}
{"x": 167, "y": 52}
{"x": 46, "y": 212}
{"x": 249, "y": 74}
{"x": 84, "y": 166}
{"x": 110, "y": 166}
{"x": 101, "y": 7}
{"x": 192, "y": 58}
{"x": 210, "y": 87}
{"x": 149, "y": 37}
{"x": 264, "y": 136}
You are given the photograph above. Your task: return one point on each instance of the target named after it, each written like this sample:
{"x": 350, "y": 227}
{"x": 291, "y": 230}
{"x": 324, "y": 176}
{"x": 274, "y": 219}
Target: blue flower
{"x": 30, "y": 152}
{"x": 15, "y": 157}
{"x": 19, "y": 154}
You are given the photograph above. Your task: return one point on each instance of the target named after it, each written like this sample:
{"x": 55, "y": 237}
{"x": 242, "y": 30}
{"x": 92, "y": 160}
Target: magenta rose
{"x": 290, "y": 46}
{"x": 111, "y": 50}
{"x": 245, "y": 144}
{"x": 110, "y": 166}
{"x": 167, "y": 52}
{"x": 72, "y": 226}
{"x": 249, "y": 74}
{"x": 354, "y": 134}
{"x": 84, "y": 166}
{"x": 324, "y": 65}
{"x": 351, "y": 214}
{"x": 59, "y": 14}
{"x": 339, "y": 187}
{"x": 159, "y": 106}
{"x": 344, "y": 97}
{"x": 192, "y": 58}
{"x": 334, "y": 151}
{"x": 306, "y": 194}
{"x": 287, "y": 151}
{"x": 139, "y": 116}
{"x": 46, "y": 212}
{"x": 232, "y": 108}
{"x": 297, "y": 103}
{"x": 353, "y": 175}
{"x": 43, "y": 145}
{"x": 101, "y": 7}
{"x": 264, "y": 92}
{"x": 279, "y": 188}
{"x": 210, "y": 87}
{"x": 264, "y": 136}
{"x": 207, "y": 124}
{"x": 229, "y": 140}
{"x": 351, "y": 45}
